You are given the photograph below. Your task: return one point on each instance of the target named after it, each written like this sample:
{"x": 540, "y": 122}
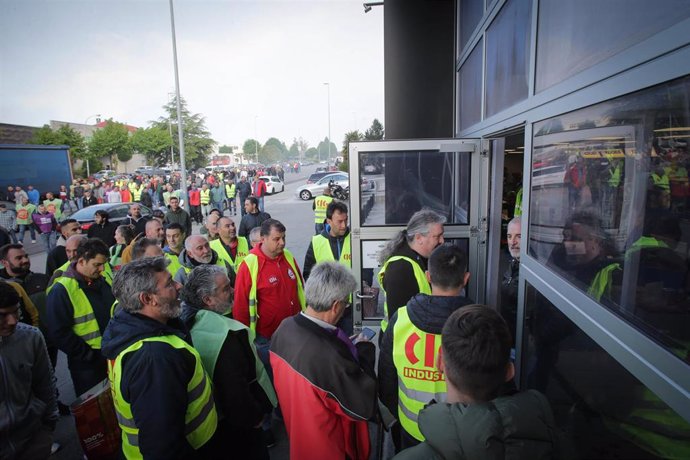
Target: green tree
{"x": 225, "y": 149}
{"x": 251, "y": 147}
{"x": 324, "y": 151}
{"x": 198, "y": 144}
{"x": 375, "y": 131}
{"x": 154, "y": 143}
{"x": 271, "y": 153}
{"x": 352, "y": 136}
{"x": 311, "y": 153}
{"x": 112, "y": 139}
{"x": 65, "y": 135}
{"x": 280, "y": 146}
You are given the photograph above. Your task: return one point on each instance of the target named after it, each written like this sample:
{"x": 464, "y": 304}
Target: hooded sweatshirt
{"x": 428, "y": 313}
{"x": 154, "y": 381}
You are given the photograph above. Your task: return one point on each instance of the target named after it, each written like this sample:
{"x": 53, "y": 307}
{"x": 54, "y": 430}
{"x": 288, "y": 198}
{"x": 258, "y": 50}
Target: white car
{"x": 273, "y": 184}
{"x": 309, "y": 191}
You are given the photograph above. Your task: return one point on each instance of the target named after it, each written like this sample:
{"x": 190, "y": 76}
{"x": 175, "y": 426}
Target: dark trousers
{"x": 86, "y": 375}
{"x": 232, "y": 442}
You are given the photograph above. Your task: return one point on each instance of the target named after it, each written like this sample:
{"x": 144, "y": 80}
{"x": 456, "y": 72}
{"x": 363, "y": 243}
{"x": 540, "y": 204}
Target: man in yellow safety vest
{"x": 319, "y": 206}
{"x": 408, "y": 377}
{"x": 229, "y": 246}
{"x": 163, "y": 396}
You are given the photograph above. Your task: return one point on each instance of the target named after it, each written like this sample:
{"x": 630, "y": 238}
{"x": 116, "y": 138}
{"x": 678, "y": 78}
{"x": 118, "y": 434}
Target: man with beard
{"x": 154, "y": 231}
{"x": 197, "y": 251}
{"x": 17, "y": 268}
{"x": 229, "y": 246}
{"x": 210, "y": 228}
{"x": 253, "y": 216}
{"x": 162, "y": 395}
{"x": 58, "y": 256}
{"x": 242, "y": 389}
{"x": 102, "y": 227}
{"x": 136, "y": 219}
{"x": 78, "y": 311}
{"x": 509, "y": 284}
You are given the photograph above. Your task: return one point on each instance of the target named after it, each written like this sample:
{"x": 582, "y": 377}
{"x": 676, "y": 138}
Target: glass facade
{"x": 470, "y": 13}
{"x": 395, "y": 185}
{"x": 611, "y": 26}
{"x": 507, "y": 56}
{"x": 610, "y": 207}
{"x": 470, "y": 88}
{"x": 602, "y": 409}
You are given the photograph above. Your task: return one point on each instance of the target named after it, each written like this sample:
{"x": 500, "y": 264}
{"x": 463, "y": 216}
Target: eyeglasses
{"x": 17, "y": 313}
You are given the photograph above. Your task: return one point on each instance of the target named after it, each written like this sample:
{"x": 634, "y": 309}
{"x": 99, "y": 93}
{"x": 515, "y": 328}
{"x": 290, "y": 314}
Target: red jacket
{"x": 126, "y": 196}
{"x": 276, "y": 294}
{"x": 326, "y": 396}
{"x": 194, "y": 198}
{"x": 259, "y": 188}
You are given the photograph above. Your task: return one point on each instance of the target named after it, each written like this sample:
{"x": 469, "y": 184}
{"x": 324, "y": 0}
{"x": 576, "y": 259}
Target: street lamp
{"x": 172, "y": 139}
{"x": 328, "y": 85}
{"x": 256, "y": 141}
{"x": 180, "y": 126}
{"x": 86, "y": 122}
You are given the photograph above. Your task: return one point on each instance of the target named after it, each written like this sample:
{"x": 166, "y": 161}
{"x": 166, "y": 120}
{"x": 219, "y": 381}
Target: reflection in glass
{"x": 507, "y": 56}
{"x": 395, "y": 185}
{"x": 612, "y": 26}
{"x": 372, "y": 305}
{"x": 610, "y": 207}
{"x": 470, "y": 12}
{"x": 470, "y": 88}
{"x": 603, "y": 409}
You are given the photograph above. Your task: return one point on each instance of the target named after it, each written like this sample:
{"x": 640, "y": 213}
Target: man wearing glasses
{"x": 29, "y": 392}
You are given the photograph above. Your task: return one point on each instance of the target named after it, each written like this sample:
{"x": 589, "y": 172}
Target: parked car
{"x": 314, "y": 177}
{"x": 320, "y": 169}
{"x": 309, "y": 191}
{"x": 273, "y": 184}
{"x": 104, "y": 174}
{"x": 117, "y": 212}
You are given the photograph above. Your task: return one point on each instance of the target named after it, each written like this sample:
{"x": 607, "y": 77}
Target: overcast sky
{"x": 242, "y": 64}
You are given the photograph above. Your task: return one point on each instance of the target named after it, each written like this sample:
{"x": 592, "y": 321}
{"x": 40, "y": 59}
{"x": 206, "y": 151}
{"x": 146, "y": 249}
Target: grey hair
{"x": 141, "y": 245}
{"x": 201, "y": 283}
{"x": 417, "y": 225}
{"x": 188, "y": 245}
{"x": 135, "y": 278}
{"x": 515, "y": 220}
{"x": 255, "y": 235}
{"x": 328, "y": 282}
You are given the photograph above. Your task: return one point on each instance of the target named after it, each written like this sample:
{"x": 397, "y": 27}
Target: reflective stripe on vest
{"x": 415, "y": 354}
{"x": 200, "y": 417}
{"x": 205, "y": 196}
{"x": 252, "y": 262}
{"x": 323, "y": 252}
{"x": 661, "y": 181}
{"x": 422, "y": 283}
{"x": 85, "y": 325}
{"x": 242, "y": 251}
{"x": 230, "y": 190}
{"x": 208, "y": 334}
{"x": 517, "y": 212}
{"x": 136, "y": 193}
{"x": 320, "y": 204}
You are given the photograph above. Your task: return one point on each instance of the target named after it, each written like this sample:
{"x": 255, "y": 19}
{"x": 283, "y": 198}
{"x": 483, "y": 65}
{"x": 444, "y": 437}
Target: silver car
{"x": 309, "y": 191}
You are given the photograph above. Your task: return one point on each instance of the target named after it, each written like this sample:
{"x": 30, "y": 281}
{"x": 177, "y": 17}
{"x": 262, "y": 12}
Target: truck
{"x": 46, "y": 167}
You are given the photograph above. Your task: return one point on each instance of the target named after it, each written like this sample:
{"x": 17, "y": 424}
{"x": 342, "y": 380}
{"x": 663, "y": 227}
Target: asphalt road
{"x": 295, "y": 214}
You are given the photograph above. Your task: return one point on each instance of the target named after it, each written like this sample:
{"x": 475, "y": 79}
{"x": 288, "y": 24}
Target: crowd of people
{"x": 208, "y": 340}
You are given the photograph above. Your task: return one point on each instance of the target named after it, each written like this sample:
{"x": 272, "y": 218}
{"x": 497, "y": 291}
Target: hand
{"x": 356, "y": 338}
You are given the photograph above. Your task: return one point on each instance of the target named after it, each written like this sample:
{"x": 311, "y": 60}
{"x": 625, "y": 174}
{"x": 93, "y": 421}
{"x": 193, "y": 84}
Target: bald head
{"x": 154, "y": 230}
{"x": 72, "y": 244}
{"x": 226, "y": 229}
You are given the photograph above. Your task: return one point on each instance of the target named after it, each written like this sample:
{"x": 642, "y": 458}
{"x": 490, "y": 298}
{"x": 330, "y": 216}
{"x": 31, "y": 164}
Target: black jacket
{"x": 139, "y": 225}
{"x": 56, "y": 258}
{"x": 154, "y": 381}
{"x": 105, "y": 232}
{"x": 249, "y": 221}
{"x": 428, "y": 313}
{"x": 336, "y": 248}
{"x": 399, "y": 281}
{"x": 244, "y": 189}
{"x": 90, "y": 201}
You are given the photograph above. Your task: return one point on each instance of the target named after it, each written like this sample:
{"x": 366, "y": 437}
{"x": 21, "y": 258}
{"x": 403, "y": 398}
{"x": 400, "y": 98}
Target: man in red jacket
{"x": 268, "y": 289}
{"x": 326, "y": 384}
{"x": 259, "y": 191}
{"x": 195, "y": 204}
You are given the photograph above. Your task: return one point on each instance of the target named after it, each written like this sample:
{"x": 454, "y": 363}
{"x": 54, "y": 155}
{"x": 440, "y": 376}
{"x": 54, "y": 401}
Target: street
{"x": 298, "y": 218}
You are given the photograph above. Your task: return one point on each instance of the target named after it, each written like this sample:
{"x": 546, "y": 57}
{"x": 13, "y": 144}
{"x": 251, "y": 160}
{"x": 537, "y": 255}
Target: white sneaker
{"x": 33, "y": 241}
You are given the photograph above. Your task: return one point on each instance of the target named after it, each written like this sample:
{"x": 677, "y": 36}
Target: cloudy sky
{"x": 245, "y": 65}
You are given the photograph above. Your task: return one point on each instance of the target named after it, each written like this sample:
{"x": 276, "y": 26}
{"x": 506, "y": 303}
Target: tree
{"x": 311, "y": 153}
{"x": 251, "y": 148}
{"x": 112, "y": 139}
{"x": 280, "y": 147}
{"x": 65, "y": 135}
{"x": 375, "y": 131}
{"x": 270, "y": 154}
{"x": 198, "y": 144}
{"x": 352, "y": 136}
{"x": 154, "y": 143}
{"x": 298, "y": 147}
{"x": 225, "y": 149}
{"x": 324, "y": 151}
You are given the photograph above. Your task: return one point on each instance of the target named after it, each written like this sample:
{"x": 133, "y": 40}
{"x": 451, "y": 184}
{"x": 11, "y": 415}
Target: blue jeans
{"x": 262, "y": 347}
{"x": 48, "y": 240}
{"x": 261, "y": 203}
{"x": 22, "y": 230}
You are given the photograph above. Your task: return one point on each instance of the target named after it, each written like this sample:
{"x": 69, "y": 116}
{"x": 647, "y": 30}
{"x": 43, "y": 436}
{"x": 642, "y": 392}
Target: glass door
{"x": 390, "y": 181}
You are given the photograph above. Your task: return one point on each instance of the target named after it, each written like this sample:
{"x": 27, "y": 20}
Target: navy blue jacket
{"x": 154, "y": 382}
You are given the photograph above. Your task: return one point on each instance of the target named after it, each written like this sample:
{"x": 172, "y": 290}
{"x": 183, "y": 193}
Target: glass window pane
{"x": 372, "y": 308}
{"x": 564, "y": 50}
{"x": 470, "y": 89}
{"x": 507, "y": 56}
{"x": 471, "y": 12}
{"x": 610, "y": 206}
{"x": 395, "y": 185}
{"x": 604, "y": 410}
